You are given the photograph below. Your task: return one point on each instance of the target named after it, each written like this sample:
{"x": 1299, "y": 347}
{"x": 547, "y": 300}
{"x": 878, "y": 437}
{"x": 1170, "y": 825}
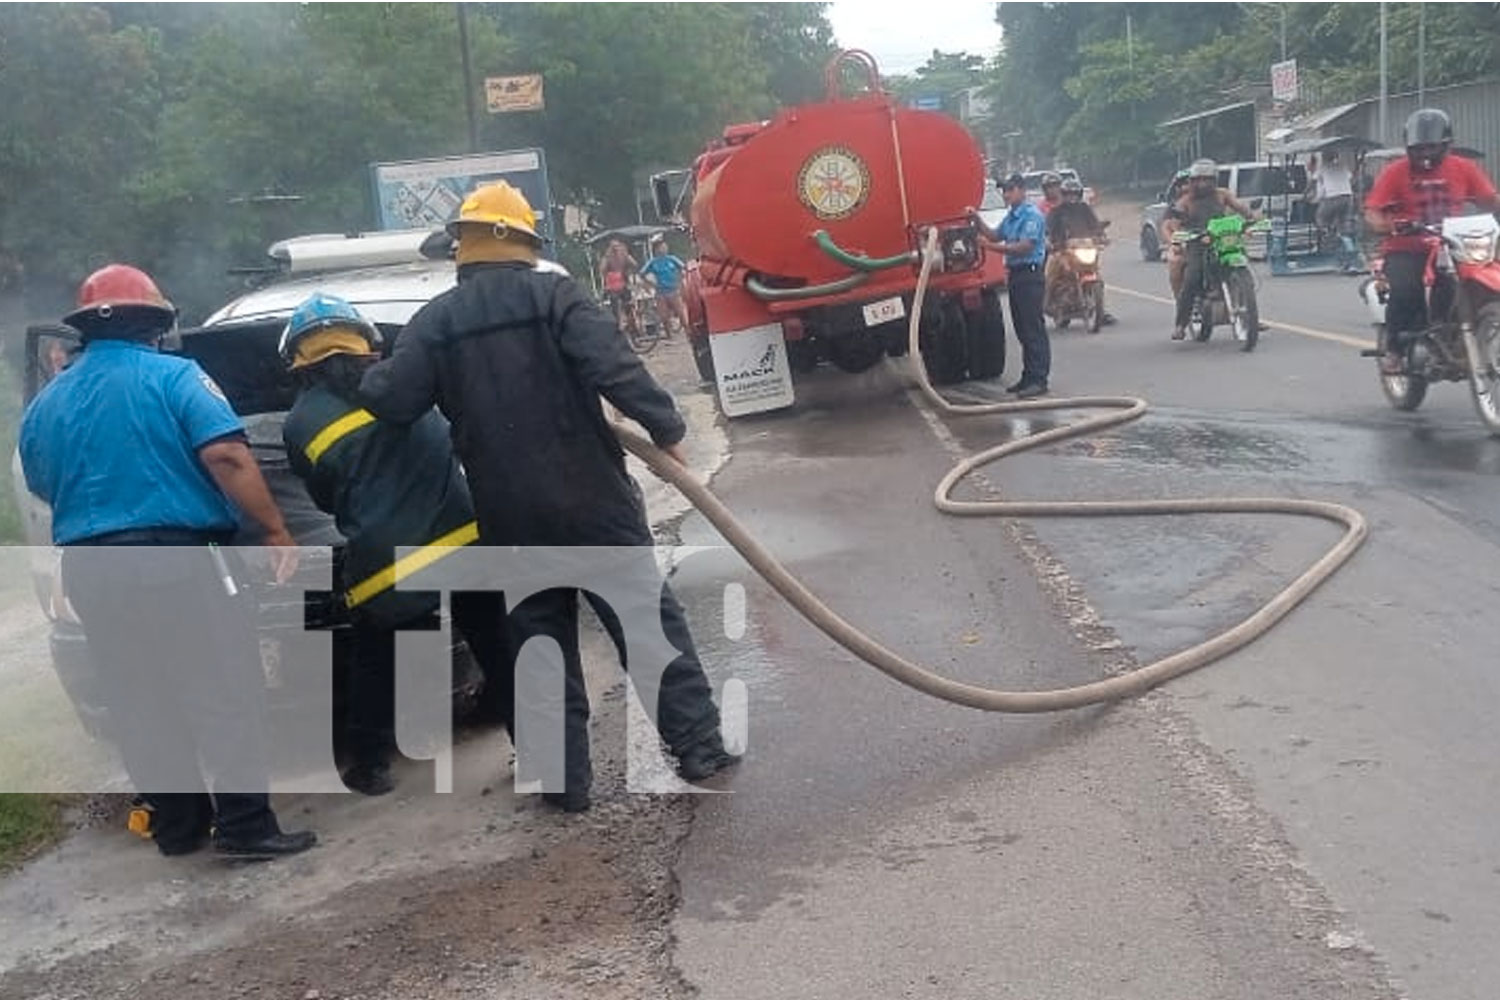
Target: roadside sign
{"x": 1284, "y": 81}
{"x": 513, "y": 93}
{"x": 424, "y": 194}
{"x": 927, "y": 103}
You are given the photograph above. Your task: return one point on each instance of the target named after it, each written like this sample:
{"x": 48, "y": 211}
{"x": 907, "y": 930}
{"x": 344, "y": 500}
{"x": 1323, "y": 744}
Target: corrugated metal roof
{"x": 1189, "y": 119}
{"x": 1324, "y": 118}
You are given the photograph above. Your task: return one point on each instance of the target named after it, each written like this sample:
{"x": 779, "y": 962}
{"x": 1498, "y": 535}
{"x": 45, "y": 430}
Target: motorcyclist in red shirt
{"x": 1423, "y": 189}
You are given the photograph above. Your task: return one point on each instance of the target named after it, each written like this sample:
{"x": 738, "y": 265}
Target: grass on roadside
{"x": 28, "y": 823}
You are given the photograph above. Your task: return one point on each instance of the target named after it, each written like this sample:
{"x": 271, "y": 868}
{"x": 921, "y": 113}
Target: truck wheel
{"x": 986, "y": 337}
{"x": 801, "y": 356}
{"x": 855, "y": 352}
{"x": 943, "y": 339}
{"x": 703, "y": 357}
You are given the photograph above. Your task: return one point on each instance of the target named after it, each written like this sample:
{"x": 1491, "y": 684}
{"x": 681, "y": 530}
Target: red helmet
{"x": 116, "y": 289}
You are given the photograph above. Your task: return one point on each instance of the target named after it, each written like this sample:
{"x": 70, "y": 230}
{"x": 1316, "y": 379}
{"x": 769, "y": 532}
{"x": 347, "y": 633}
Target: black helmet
{"x": 1428, "y": 127}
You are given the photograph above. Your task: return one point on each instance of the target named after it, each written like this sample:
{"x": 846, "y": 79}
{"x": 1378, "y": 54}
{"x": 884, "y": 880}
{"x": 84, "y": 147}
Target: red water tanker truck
{"x": 808, "y": 229}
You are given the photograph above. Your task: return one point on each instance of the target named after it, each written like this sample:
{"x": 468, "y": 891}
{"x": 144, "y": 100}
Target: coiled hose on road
{"x": 1119, "y": 410}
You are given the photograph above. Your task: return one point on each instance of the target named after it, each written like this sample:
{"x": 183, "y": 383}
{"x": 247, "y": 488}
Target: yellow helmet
{"x": 499, "y": 206}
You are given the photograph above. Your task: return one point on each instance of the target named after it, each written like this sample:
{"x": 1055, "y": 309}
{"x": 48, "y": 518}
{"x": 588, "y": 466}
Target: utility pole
{"x": 1421, "y": 53}
{"x": 1282, "y": 7}
{"x": 1385, "y": 103}
{"x": 463, "y": 46}
{"x": 1130, "y": 46}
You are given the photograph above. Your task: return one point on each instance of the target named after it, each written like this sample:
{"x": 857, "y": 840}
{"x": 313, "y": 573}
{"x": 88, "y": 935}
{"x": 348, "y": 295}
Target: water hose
{"x": 761, "y": 290}
{"x": 858, "y": 261}
{"x": 1119, "y": 410}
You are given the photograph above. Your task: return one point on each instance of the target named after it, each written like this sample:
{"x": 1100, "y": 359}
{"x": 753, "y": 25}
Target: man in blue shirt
{"x": 1022, "y": 238}
{"x": 146, "y": 466}
{"x": 665, "y": 270}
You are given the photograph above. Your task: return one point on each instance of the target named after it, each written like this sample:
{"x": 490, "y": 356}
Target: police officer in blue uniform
{"x": 1022, "y": 238}
{"x": 146, "y": 468}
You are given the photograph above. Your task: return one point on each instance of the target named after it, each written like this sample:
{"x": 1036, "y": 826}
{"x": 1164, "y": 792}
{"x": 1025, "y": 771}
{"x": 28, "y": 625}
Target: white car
{"x": 388, "y": 277}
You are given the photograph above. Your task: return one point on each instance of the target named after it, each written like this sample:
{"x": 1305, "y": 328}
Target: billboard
{"x": 513, "y": 93}
{"x": 423, "y": 194}
{"x": 1284, "y": 81}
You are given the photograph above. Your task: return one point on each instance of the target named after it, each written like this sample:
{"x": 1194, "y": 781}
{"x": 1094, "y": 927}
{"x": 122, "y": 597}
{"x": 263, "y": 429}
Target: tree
{"x": 943, "y": 75}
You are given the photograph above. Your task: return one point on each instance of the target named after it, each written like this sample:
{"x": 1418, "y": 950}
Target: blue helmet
{"x": 319, "y": 312}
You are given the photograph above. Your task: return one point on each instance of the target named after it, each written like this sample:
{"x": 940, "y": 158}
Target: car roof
{"x": 388, "y": 294}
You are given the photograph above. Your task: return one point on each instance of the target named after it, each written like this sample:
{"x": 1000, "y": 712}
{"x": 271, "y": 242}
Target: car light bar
{"x": 335, "y": 252}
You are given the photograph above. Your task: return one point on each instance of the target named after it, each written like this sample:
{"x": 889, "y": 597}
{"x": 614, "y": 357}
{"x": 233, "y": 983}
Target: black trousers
{"x": 1194, "y": 261}
{"x": 179, "y": 667}
{"x": 1028, "y": 293}
{"x": 683, "y": 710}
{"x": 1406, "y": 309}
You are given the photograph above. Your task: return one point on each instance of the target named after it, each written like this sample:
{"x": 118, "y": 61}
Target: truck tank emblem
{"x": 834, "y": 182}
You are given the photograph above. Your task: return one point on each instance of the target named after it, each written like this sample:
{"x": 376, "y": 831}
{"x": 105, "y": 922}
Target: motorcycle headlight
{"x": 1478, "y": 248}
{"x": 1087, "y": 256}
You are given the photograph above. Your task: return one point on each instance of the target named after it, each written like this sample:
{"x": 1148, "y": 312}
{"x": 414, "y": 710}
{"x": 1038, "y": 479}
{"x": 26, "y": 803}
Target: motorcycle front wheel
{"x": 1485, "y": 377}
{"x": 1093, "y": 307}
{"x": 1243, "y": 311}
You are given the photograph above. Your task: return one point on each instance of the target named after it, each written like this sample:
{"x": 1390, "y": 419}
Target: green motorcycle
{"x": 1227, "y": 293}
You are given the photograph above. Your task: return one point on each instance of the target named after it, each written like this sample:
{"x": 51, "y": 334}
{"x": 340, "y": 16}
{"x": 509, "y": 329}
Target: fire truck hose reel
{"x": 1117, "y": 410}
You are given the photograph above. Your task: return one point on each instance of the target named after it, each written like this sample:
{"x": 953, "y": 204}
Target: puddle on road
{"x": 1212, "y": 446}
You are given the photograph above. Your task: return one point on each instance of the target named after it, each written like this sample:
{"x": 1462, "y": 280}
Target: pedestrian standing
{"x": 665, "y": 270}
{"x": 147, "y": 469}
{"x": 1022, "y": 238}
{"x": 518, "y": 359}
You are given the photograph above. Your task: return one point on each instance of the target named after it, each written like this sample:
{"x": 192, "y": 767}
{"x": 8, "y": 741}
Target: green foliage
{"x": 148, "y": 132}
{"x": 1069, "y": 81}
{"x": 27, "y": 822}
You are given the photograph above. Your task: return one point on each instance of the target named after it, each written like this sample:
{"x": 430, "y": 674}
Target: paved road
{"x": 1313, "y": 818}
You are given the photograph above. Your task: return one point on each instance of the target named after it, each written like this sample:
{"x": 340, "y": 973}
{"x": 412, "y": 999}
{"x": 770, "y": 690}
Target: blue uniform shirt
{"x": 112, "y": 444}
{"x": 667, "y": 269}
{"x": 1025, "y": 222}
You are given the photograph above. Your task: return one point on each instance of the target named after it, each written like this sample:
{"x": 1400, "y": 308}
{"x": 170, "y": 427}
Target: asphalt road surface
{"x": 1313, "y": 817}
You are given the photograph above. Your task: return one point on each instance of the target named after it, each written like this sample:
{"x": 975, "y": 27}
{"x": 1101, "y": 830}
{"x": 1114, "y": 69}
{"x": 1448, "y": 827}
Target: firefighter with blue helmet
{"x": 387, "y": 486}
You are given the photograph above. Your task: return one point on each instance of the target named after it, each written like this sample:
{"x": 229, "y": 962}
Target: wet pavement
{"x": 1312, "y": 817}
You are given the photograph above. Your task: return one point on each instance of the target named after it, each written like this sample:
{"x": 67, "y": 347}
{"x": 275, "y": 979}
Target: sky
{"x": 902, "y": 35}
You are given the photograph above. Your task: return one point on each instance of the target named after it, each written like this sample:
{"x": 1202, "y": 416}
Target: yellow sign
{"x": 513, "y": 93}
{"x": 834, "y": 183}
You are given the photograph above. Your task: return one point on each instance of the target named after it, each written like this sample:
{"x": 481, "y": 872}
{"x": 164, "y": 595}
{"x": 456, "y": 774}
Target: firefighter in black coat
{"x": 517, "y": 359}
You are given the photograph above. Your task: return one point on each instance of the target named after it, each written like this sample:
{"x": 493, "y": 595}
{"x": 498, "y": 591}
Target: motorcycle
{"x": 1462, "y": 339}
{"x": 1227, "y": 294}
{"x": 1078, "y": 291}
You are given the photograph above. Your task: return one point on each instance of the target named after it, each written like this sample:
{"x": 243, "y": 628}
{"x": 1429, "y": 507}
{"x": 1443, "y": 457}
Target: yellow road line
{"x": 1301, "y": 331}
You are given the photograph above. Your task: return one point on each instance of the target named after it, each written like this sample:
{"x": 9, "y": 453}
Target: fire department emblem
{"x": 834, "y": 183}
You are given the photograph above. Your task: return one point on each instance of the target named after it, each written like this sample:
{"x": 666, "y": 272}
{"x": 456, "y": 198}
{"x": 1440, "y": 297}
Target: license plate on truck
{"x": 885, "y": 311}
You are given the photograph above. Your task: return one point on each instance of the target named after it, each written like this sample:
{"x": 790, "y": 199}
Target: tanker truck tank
{"x": 807, "y": 228}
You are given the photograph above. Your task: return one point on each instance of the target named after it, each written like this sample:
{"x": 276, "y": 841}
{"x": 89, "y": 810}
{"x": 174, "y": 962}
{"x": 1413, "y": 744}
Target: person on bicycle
{"x": 665, "y": 270}
{"x": 615, "y": 271}
{"x": 1421, "y": 190}
{"x": 1203, "y": 200}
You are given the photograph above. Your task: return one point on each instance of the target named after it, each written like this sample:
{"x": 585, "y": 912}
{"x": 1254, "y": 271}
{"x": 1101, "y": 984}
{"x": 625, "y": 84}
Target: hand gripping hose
{"x": 1119, "y": 410}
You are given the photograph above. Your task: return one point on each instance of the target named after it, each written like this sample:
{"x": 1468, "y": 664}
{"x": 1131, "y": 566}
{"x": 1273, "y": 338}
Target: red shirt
{"x": 1427, "y": 197}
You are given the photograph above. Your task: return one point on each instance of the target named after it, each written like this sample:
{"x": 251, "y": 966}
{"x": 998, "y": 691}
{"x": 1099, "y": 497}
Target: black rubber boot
{"x": 705, "y": 759}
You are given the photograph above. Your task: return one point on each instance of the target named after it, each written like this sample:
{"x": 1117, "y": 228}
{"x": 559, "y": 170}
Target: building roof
{"x": 1202, "y": 115}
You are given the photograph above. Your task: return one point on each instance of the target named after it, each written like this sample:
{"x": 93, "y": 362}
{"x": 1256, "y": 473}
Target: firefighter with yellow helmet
{"x": 519, "y": 360}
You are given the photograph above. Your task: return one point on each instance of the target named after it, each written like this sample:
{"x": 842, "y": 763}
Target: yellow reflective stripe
{"x": 411, "y": 563}
{"x": 336, "y": 432}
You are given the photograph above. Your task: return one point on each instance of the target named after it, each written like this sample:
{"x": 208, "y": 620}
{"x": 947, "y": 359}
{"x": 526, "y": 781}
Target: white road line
{"x": 1302, "y": 331}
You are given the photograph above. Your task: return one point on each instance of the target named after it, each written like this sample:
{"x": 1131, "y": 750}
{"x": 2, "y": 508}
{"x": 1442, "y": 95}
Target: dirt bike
{"x": 1227, "y": 292}
{"x": 1078, "y": 291}
{"x": 1462, "y": 339}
